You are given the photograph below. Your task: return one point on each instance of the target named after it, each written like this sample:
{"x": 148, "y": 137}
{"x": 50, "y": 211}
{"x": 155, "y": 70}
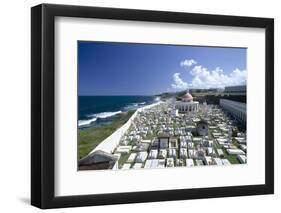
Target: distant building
{"x": 187, "y": 105}
{"x": 237, "y": 109}
{"x": 236, "y": 89}
{"x": 213, "y": 90}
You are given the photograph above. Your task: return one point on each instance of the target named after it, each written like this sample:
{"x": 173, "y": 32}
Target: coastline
{"x": 91, "y": 137}
{"x": 111, "y": 142}
{"x": 109, "y": 134}
{"x": 97, "y": 110}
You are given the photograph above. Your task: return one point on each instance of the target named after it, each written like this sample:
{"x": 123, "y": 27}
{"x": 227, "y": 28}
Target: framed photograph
{"x": 140, "y": 106}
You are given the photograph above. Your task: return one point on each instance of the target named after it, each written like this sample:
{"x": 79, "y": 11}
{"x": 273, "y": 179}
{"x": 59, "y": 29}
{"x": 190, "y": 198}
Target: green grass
{"x": 232, "y": 158}
{"x": 150, "y": 136}
{"x": 89, "y": 138}
{"x": 210, "y": 134}
{"x": 124, "y": 157}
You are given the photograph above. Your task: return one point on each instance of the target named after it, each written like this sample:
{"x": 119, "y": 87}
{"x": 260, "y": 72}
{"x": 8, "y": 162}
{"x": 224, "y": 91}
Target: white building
{"x": 237, "y": 109}
{"x": 187, "y": 104}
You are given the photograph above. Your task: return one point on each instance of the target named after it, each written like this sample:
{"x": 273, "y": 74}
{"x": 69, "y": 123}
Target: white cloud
{"x": 178, "y": 82}
{"x": 204, "y": 79}
{"x": 188, "y": 62}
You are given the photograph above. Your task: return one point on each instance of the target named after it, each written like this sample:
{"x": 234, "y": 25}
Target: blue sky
{"x": 107, "y": 68}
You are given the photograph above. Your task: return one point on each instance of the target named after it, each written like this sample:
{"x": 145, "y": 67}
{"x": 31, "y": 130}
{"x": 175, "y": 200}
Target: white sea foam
{"x": 157, "y": 99}
{"x": 130, "y": 107}
{"x": 133, "y": 106}
{"x": 94, "y": 117}
{"x": 86, "y": 122}
{"x": 106, "y": 114}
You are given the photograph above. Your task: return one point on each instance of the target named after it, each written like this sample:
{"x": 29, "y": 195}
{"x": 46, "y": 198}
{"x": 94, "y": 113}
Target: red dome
{"x": 187, "y": 97}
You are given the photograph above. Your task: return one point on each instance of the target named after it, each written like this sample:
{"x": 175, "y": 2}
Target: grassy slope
{"x": 91, "y": 137}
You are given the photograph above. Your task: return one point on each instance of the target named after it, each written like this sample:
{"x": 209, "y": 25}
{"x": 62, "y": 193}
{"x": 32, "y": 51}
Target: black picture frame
{"x": 43, "y": 111}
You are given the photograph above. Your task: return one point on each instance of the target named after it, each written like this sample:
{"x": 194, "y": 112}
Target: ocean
{"x": 97, "y": 110}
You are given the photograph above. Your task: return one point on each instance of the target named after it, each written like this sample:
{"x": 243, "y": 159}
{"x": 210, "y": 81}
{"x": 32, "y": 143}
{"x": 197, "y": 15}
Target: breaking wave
{"x": 106, "y": 114}
{"x": 133, "y": 106}
{"x": 94, "y": 117}
{"x": 157, "y": 99}
{"x": 86, "y": 122}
